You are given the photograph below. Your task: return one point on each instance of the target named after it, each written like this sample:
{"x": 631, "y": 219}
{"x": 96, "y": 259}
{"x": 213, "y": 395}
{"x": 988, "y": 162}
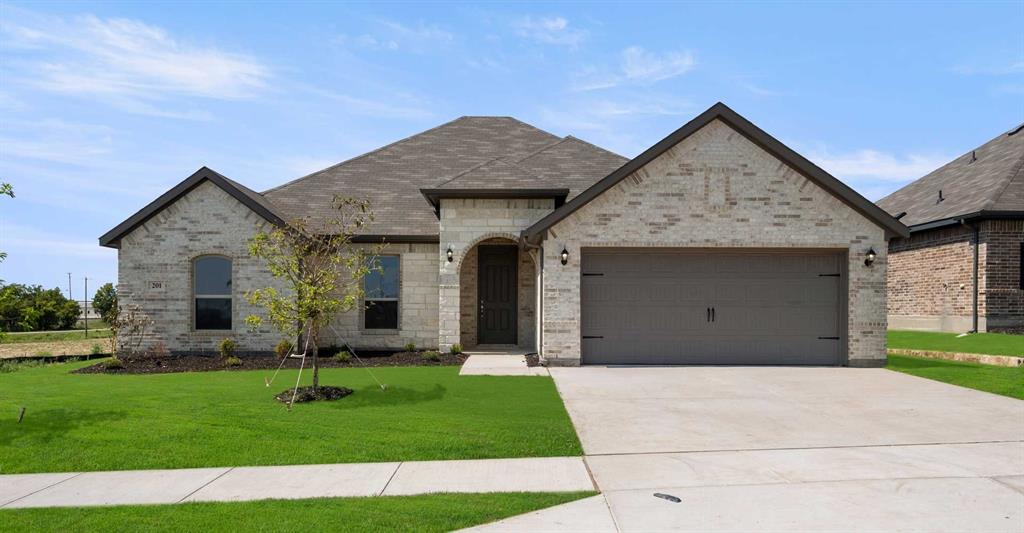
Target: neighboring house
{"x": 718, "y": 245}
{"x": 961, "y": 268}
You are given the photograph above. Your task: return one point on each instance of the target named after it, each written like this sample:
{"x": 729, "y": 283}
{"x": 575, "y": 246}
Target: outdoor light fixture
{"x": 451, "y": 254}
{"x": 565, "y": 255}
{"x": 870, "y": 258}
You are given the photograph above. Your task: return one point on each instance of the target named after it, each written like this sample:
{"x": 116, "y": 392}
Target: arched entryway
{"x": 497, "y": 295}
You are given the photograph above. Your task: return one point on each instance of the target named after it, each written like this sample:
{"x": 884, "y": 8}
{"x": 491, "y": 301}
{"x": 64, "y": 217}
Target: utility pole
{"x": 69, "y": 287}
{"x": 86, "y": 301}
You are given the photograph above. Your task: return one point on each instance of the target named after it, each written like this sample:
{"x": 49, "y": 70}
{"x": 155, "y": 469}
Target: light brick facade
{"x": 931, "y": 278}
{"x": 155, "y": 270}
{"x": 465, "y": 223}
{"x": 716, "y": 189}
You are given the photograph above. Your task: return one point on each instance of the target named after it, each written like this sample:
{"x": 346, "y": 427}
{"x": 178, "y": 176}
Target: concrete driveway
{"x": 797, "y": 449}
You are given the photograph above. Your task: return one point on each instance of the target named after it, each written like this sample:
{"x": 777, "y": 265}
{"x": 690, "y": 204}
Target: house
{"x": 717, "y": 245}
{"x": 962, "y": 268}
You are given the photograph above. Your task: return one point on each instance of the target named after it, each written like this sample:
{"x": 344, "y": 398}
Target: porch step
{"x": 499, "y": 364}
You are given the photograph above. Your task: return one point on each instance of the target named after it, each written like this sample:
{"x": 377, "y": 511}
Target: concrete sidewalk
{"x": 499, "y": 364}
{"x": 541, "y": 474}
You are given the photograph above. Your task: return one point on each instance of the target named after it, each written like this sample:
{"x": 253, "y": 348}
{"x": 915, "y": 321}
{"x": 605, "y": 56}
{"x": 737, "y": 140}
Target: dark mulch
{"x": 306, "y": 394}
{"x": 533, "y": 360}
{"x": 199, "y": 363}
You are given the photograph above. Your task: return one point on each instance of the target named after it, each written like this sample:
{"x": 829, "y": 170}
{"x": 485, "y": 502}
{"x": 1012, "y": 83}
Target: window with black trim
{"x": 380, "y": 286}
{"x": 211, "y": 291}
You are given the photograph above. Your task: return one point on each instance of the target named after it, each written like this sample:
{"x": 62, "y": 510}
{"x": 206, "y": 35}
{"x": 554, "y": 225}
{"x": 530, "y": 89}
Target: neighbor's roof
{"x": 988, "y": 180}
{"x": 722, "y": 112}
{"x": 499, "y": 153}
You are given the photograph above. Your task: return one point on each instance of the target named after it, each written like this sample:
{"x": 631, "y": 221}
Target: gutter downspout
{"x": 977, "y": 246}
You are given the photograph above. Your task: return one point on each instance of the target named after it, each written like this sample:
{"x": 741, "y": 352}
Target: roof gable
{"x": 248, "y": 197}
{"x": 768, "y": 143}
{"x": 988, "y": 178}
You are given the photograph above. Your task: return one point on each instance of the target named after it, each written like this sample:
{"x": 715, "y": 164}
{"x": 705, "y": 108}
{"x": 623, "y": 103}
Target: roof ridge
{"x": 499, "y": 159}
{"x": 592, "y": 145}
{"x": 1014, "y": 174}
{"x": 360, "y": 156}
{"x": 543, "y": 149}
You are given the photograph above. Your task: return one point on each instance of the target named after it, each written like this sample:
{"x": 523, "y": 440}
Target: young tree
{"x": 105, "y": 301}
{"x": 321, "y": 271}
{"x": 5, "y": 190}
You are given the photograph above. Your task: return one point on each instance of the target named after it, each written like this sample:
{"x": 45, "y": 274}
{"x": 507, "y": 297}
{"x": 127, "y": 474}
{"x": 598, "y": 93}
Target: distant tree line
{"x": 33, "y": 308}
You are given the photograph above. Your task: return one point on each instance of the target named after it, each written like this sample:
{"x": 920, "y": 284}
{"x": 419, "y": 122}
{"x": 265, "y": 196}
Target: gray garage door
{"x": 711, "y": 308}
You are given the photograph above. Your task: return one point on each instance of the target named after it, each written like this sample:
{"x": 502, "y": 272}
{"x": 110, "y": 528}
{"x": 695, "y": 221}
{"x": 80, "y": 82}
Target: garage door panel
{"x": 651, "y": 307}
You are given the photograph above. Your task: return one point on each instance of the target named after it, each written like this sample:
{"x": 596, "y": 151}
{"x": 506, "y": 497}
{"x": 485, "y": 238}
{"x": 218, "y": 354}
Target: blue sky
{"x": 103, "y": 106}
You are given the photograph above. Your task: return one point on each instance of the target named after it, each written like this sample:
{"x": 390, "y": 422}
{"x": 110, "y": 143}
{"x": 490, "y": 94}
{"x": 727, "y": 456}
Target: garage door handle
{"x": 712, "y": 314}
{"x": 708, "y": 309}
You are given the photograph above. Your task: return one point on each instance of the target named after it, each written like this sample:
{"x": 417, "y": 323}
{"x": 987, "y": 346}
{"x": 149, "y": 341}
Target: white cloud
{"x": 395, "y": 36}
{"x": 375, "y": 108}
{"x": 126, "y": 62}
{"x": 878, "y": 165}
{"x": 647, "y": 67}
{"x": 17, "y": 239}
{"x": 549, "y": 30}
{"x": 637, "y": 66}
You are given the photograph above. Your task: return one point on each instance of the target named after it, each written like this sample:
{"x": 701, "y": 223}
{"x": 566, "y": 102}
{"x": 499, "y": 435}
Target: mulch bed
{"x": 200, "y": 363}
{"x": 533, "y": 360}
{"x": 306, "y": 394}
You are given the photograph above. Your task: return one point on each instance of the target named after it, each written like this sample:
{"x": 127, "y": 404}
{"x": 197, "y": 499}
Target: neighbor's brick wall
{"x": 417, "y": 305}
{"x": 1004, "y": 300}
{"x": 716, "y": 189}
{"x": 205, "y": 221}
{"x": 931, "y": 279}
{"x": 465, "y": 223}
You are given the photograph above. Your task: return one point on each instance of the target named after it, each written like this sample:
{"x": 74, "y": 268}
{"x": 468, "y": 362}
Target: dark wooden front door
{"x": 496, "y": 321}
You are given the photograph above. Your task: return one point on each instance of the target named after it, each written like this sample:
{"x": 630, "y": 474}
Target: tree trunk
{"x": 316, "y": 362}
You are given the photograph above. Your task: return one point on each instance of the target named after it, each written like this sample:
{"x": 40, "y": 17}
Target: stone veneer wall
{"x": 527, "y": 297}
{"x": 931, "y": 280}
{"x": 155, "y": 270}
{"x": 417, "y": 306}
{"x": 464, "y": 224}
{"x": 716, "y": 189}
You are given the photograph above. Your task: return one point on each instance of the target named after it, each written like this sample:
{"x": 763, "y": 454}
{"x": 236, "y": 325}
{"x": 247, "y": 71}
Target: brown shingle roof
{"x": 989, "y": 178}
{"x": 391, "y": 177}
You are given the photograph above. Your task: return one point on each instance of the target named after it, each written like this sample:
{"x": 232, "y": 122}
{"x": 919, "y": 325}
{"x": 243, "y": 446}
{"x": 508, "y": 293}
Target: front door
{"x": 496, "y": 321}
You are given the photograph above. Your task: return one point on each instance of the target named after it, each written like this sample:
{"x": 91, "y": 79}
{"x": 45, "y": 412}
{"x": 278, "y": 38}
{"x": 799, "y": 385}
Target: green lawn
{"x": 55, "y": 336}
{"x": 434, "y": 512}
{"x": 1008, "y": 381}
{"x": 87, "y": 422}
{"x": 984, "y": 343}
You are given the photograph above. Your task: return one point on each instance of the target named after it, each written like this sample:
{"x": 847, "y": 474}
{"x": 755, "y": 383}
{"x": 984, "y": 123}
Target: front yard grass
{"x": 982, "y": 343}
{"x": 89, "y": 422}
{"x": 433, "y": 512}
{"x": 1007, "y": 381}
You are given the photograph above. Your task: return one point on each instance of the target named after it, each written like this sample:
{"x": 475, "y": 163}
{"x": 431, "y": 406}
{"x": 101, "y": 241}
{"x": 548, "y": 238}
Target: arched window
{"x": 211, "y": 291}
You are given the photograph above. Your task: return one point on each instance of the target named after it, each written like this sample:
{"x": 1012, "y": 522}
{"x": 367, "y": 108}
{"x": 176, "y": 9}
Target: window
{"x": 381, "y": 300}
{"x": 1022, "y": 266}
{"x": 212, "y": 292}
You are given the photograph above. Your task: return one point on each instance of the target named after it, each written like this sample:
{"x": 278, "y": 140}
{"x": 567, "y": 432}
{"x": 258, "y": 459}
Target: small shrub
{"x": 232, "y": 361}
{"x": 343, "y": 356}
{"x": 43, "y": 353}
{"x": 431, "y": 356}
{"x": 456, "y": 349}
{"x": 330, "y": 351}
{"x": 283, "y": 349}
{"x": 411, "y": 347}
{"x": 227, "y": 348}
{"x": 96, "y": 349}
{"x": 113, "y": 363}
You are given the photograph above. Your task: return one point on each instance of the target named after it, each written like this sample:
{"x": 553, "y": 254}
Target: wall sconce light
{"x": 870, "y": 257}
{"x": 451, "y": 254}
{"x": 565, "y": 255}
